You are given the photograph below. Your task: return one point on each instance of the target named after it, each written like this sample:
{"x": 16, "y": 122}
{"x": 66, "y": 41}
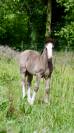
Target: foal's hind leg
{"x": 23, "y": 82}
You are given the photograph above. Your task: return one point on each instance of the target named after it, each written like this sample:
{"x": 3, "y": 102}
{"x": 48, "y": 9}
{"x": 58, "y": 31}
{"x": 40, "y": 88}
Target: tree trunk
{"x": 48, "y": 21}
{"x": 33, "y": 38}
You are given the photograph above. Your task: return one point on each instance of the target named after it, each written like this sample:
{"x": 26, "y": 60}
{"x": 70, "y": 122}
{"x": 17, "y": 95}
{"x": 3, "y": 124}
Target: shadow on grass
{"x": 3, "y": 131}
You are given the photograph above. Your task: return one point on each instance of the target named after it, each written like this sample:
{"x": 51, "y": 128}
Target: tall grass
{"x": 16, "y": 116}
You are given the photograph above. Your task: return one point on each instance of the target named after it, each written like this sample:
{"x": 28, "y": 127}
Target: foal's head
{"x": 49, "y": 47}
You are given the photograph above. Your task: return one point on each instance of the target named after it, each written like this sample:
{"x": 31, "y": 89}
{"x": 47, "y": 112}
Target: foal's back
{"x": 28, "y": 55}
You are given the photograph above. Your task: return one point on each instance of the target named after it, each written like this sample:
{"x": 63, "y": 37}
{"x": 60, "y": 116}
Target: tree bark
{"x": 48, "y": 21}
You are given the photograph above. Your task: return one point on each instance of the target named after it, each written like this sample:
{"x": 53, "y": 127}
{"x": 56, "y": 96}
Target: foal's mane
{"x": 42, "y": 50}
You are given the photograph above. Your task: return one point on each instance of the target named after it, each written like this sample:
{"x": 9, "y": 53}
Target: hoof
{"x": 46, "y": 100}
{"x": 30, "y": 101}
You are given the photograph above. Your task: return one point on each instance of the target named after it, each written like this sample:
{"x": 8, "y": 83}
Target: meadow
{"x": 17, "y": 116}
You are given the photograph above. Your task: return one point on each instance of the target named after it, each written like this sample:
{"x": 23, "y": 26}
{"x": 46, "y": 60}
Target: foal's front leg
{"x": 47, "y": 89}
{"x": 32, "y": 99}
{"x": 36, "y": 88}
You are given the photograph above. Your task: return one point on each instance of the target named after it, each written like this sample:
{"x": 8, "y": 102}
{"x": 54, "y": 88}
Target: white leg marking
{"x": 23, "y": 91}
{"x": 31, "y": 99}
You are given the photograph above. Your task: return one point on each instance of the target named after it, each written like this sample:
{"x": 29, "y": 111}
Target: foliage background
{"x": 23, "y": 23}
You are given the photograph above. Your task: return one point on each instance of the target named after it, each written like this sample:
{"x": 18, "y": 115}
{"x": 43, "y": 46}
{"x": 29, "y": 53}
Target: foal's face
{"x": 49, "y": 47}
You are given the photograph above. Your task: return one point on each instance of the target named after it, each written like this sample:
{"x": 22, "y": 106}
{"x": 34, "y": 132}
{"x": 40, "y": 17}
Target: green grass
{"x": 16, "y": 116}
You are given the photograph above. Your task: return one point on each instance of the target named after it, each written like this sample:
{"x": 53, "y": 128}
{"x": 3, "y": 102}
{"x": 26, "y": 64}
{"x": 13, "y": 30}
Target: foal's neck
{"x": 44, "y": 57}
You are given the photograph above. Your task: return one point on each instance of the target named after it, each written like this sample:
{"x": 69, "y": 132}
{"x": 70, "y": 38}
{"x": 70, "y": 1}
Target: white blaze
{"x": 49, "y": 47}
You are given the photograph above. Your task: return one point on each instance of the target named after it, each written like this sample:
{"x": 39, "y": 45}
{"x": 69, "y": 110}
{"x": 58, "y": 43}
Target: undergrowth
{"x": 17, "y": 116}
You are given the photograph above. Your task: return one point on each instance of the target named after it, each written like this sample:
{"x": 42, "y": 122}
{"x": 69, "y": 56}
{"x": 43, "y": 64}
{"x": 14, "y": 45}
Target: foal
{"x": 40, "y": 65}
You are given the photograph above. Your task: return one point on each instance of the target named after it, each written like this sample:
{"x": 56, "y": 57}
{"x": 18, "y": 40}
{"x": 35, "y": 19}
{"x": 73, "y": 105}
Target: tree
{"x": 65, "y": 31}
{"x": 48, "y": 22}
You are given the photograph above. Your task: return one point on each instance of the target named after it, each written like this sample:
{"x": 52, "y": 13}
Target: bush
{"x": 66, "y": 37}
